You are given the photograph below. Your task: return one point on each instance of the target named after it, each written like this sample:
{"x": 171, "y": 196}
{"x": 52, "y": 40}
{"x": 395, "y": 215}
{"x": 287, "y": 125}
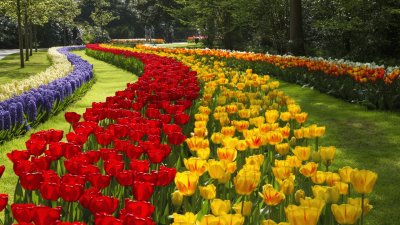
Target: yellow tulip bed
{"x": 254, "y": 159}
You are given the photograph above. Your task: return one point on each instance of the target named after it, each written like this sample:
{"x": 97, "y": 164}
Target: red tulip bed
{"x": 116, "y": 155}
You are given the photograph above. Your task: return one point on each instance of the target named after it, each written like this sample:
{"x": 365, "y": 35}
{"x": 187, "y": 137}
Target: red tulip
{"x": 139, "y": 209}
{"x": 50, "y": 191}
{"x": 103, "y": 139}
{"x": 54, "y": 135}
{"x": 72, "y": 117}
{"x": 104, "y": 219}
{"x": 112, "y": 167}
{"x": 22, "y": 213}
{"x": 71, "y": 193}
{"x": 181, "y": 118}
{"x": 2, "y": 168}
{"x": 42, "y": 163}
{"x": 16, "y": 155}
{"x": 31, "y": 181}
{"x": 131, "y": 219}
{"x": 176, "y": 138}
{"x": 87, "y": 196}
{"x": 125, "y": 178}
{"x": 70, "y": 223}
{"x": 3, "y": 201}
{"x": 142, "y": 190}
{"x": 56, "y": 150}
{"x": 73, "y": 179}
{"x": 35, "y": 146}
{"x": 165, "y": 176}
{"x": 103, "y": 204}
{"x": 50, "y": 176}
{"x": 43, "y": 215}
{"x": 140, "y": 165}
{"x": 99, "y": 181}
{"x": 157, "y": 154}
{"x": 70, "y": 150}
{"x": 134, "y": 152}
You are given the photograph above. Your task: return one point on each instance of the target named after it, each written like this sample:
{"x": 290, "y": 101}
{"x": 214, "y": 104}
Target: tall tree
{"x": 296, "y": 28}
{"x": 102, "y": 15}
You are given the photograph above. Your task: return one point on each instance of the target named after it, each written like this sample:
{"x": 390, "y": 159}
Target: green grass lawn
{"x": 10, "y": 69}
{"x": 365, "y": 140}
{"x": 109, "y": 79}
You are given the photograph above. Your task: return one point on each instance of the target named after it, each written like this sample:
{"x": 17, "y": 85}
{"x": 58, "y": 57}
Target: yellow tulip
{"x": 241, "y": 145}
{"x": 177, "y": 198}
{"x": 331, "y": 178}
{"x": 320, "y": 131}
{"x": 313, "y": 203}
{"x": 332, "y": 195}
{"x": 216, "y": 169}
{"x": 319, "y": 177}
{"x": 346, "y": 213}
{"x": 274, "y": 137}
{"x": 231, "y": 108}
{"x": 357, "y": 202}
{"x": 246, "y": 181}
{"x": 285, "y": 131}
{"x": 200, "y": 132}
{"x": 247, "y": 205}
{"x": 300, "y": 215}
{"x": 287, "y": 185}
{"x": 282, "y": 173}
{"x": 285, "y": 116}
{"x": 196, "y": 165}
{"x": 201, "y": 117}
{"x": 204, "y": 110}
{"x": 345, "y": 174}
{"x": 229, "y": 142}
{"x": 233, "y": 219}
{"x": 299, "y": 194}
{"x": 208, "y": 192}
{"x": 293, "y": 161}
{"x": 363, "y": 181}
{"x": 256, "y": 160}
{"x": 257, "y": 121}
{"x": 216, "y": 138}
{"x": 309, "y": 169}
{"x": 269, "y": 222}
{"x": 187, "y": 219}
{"x": 228, "y": 131}
{"x": 211, "y": 220}
{"x": 302, "y": 153}
{"x": 186, "y": 182}
{"x": 195, "y": 143}
{"x": 294, "y": 109}
{"x": 228, "y": 154}
{"x": 298, "y": 133}
{"x": 254, "y": 141}
{"x": 244, "y": 113}
{"x": 203, "y": 153}
{"x": 343, "y": 187}
{"x": 271, "y": 116}
{"x": 270, "y": 196}
{"x": 220, "y": 207}
{"x": 282, "y": 149}
{"x": 301, "y": 117}
{"x": 319, "y": 191}
{"x": 327, "y": 154}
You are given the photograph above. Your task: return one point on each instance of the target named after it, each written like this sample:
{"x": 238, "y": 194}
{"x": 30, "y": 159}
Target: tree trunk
{"x": 26, "y": 26}
{"x": 296, "y": 28}
{"x": 228, "y": 43}
{"x": 30, "y": 38}
{"x": 20, "y": 38}
{"x": 35, "y": 37}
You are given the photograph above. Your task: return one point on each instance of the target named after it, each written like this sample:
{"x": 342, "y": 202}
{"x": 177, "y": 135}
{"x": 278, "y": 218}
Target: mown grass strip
{"x": 10, "y": 69}
{"x": 109, "y": 79}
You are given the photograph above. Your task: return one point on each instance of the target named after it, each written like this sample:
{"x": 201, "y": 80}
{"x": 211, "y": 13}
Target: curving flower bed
{"x": 20, "y": 112}
{"x": 253, "y": 159}
{"x": 121, "y": 148}
{"x": 374, "y": 86}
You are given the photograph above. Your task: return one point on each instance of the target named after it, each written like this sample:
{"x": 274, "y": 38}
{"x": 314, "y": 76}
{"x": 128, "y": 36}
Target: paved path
{"x": 5, "y": 52}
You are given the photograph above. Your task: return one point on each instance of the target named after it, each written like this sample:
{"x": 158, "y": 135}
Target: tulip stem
{"x": 316, "y": 144}
{"x": 241, "y": 210}
{"x": 362, "y": 208}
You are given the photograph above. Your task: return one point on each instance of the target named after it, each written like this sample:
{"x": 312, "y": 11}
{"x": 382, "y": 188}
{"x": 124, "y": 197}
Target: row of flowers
{"x": 252, "y": 153}
{"x": 134, "y": 41}
{"x": 115, "y": 156}
{"x": 60, "y": 68}
{"x": 20, "y": 112}
{"x": 368, "y": 84}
